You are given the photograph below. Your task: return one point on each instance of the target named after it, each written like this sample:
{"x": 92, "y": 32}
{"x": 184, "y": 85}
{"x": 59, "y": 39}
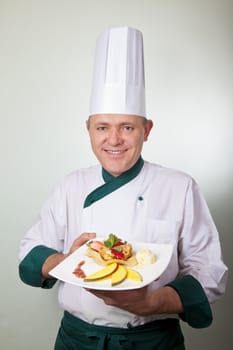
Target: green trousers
{"x": 75, "y": 334}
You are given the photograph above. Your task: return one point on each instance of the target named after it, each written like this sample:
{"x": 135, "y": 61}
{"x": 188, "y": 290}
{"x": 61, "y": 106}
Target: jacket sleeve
{"x": 197, "y": 312}
{"x": 199, "y": 247}
{"x": 44, "y": 238}
{"x": 202, "y": 274}
{"x": 30, "y": 267}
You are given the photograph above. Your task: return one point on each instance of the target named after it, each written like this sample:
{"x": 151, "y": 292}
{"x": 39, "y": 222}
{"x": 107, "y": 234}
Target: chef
{"x": 138, "y": 201}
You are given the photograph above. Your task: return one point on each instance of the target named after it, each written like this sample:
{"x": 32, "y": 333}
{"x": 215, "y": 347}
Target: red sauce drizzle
{"x": 78, "y": 272}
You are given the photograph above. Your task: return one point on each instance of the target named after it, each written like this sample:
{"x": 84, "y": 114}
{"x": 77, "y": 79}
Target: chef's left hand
{"x": 143, "y": 301}
{"x": 136, "y": 301}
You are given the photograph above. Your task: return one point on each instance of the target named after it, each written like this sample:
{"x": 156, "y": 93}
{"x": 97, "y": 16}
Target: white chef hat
{"x": 119, "y": 81}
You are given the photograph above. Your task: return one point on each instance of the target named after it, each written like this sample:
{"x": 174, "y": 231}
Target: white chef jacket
{"x": 159, "y": 205}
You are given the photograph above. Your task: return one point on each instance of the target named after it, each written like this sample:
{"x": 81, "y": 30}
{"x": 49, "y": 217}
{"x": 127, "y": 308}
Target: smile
{"x": 114, "y": 152}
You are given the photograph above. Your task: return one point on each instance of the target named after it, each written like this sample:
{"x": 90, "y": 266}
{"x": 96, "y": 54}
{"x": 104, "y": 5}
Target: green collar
{"x": 112, "y": 183}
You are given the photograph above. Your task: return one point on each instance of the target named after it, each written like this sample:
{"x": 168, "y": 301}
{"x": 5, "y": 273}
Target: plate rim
{"x": 79, "y": 253}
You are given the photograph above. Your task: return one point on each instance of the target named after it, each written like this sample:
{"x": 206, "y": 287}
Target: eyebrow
{"x": 120, "y": 124}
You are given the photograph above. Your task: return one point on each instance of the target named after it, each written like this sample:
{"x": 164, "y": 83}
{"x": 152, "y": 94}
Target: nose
{"x": 114, "y": 137}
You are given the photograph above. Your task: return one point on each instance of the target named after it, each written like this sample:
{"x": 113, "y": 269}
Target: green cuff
{"x": 31, "y": 266}
{"x": 197, "y": 312}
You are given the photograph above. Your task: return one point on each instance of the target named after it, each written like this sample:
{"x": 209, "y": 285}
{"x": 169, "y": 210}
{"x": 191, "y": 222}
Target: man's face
{"x": 117, "y": 140}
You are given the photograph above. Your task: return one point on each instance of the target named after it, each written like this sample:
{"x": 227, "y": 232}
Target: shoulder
{"x": 82, "y": 178}
{"x": 168, "y": 175}
{"x": 166, "y": 171}
{"x": 83, "y": 173}
{"x": 72, "y": 187}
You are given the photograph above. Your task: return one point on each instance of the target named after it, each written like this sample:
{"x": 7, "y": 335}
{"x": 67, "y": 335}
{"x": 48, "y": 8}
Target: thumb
{"x": 82, "y": 239}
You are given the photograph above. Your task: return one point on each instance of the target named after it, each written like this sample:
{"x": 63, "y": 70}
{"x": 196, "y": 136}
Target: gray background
{"x": 46, "y": 59}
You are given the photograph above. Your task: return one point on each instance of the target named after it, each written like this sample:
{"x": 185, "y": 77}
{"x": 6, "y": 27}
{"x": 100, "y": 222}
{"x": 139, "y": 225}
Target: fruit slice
{"x": 96, "y": 245}
{"x": 134, "y": 275}
{"x": 118, "y": 254}
{"x": 119, "y": 275}
{"x": 101, "y": 273}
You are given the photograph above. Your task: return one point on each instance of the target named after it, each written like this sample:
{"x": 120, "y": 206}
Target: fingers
{"x": 83, "y": 238}
{"x": 105, "y": 296}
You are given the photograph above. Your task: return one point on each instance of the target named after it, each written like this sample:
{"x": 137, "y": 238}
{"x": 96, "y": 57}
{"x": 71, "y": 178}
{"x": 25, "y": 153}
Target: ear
{"x": 88, "y": 123}
{"x": 148, "y": 128}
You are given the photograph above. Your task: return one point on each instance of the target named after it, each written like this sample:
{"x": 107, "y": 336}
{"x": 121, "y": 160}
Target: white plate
{"x": 63, "y": 271}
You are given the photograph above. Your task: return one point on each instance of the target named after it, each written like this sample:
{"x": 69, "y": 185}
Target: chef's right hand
{"x": 82, "y": 239}
{"x": 54, "y": 259}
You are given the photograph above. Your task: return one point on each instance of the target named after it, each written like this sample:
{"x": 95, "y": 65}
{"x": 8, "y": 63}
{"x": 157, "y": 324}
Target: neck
{"x": 113, "y": 183}
{"x": 134, "y": 169}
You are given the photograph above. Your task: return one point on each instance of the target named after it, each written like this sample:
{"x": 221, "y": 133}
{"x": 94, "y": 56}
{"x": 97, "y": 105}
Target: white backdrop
{"x": 46, "y": 59}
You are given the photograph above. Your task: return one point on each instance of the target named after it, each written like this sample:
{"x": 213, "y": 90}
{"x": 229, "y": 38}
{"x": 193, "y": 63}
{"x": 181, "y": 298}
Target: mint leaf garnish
{"x": 112, "y": 239}
{"x": 118, "y": 248}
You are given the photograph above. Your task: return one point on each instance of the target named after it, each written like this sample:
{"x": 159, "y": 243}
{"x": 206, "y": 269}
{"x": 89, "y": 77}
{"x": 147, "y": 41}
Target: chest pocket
{"x": 161, "y": 231}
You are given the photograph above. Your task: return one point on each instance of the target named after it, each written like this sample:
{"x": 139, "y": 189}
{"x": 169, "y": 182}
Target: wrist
{"x": 52, "y": 261}
{"x": 165, "y": 300}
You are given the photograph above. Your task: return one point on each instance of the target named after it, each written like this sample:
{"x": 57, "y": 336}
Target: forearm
{"x": 52, "y": 261}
